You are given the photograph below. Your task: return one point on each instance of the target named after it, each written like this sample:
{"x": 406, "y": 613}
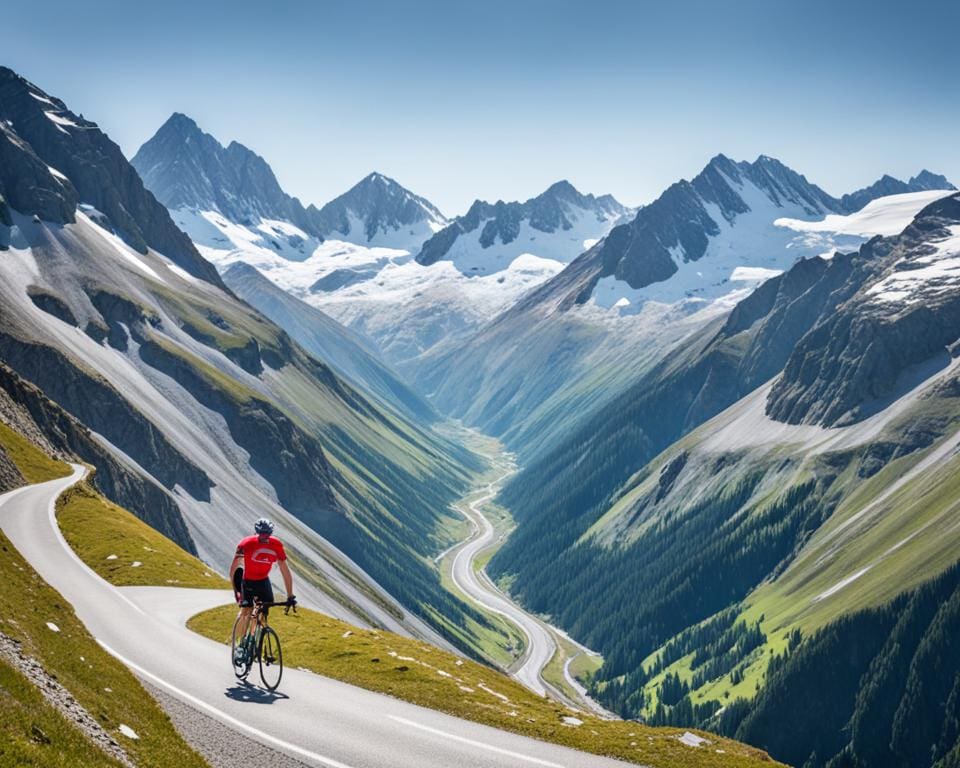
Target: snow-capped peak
{"x": 378, "y": 211}
{"x": 189, "y": 170}
{"x": 558, "y": 224}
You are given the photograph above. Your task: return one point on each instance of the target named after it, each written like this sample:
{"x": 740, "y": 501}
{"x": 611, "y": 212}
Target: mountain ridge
{"x": 80, "y": 165}
{"x": 188, "y": 168}
{"x": 546, "y": 212}
{"x": 382, "y": 209}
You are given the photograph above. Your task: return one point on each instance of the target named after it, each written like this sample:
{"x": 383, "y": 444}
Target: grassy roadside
{"x": 420, "y": 673}
{"x": 124, "y": 550}
{"x": 34, "y": 464}
{"x": 376, "y": 660}
{"x": 49, "y": 631}
{"x": 36, "y": 734}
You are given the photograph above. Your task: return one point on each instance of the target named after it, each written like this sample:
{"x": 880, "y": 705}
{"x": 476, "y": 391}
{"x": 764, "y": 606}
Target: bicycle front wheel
{"x": 271, "y": 659}
{"x": 242, "y": 668}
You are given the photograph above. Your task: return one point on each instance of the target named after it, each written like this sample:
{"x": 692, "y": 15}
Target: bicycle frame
{"x": 259, "y": 618}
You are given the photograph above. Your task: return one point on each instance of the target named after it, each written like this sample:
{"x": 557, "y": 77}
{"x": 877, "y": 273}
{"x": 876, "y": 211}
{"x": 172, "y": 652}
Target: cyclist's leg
{"x": 267, "y": 592}
{"x": 248, "y": 592}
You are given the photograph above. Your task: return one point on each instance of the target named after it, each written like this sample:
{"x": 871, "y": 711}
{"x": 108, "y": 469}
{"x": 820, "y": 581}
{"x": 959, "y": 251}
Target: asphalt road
{"x": 316, "y": 720}
{"x": 540, "y": 643}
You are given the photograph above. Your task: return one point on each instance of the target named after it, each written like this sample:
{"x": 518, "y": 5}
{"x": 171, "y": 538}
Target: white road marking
{"x": 224, "y": 717}
{"x": 471, "y": 742}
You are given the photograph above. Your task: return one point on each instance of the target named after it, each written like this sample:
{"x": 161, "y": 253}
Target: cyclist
{"x": 257, "y": 554}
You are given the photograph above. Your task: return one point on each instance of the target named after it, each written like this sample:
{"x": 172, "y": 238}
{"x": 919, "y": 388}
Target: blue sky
{"x": 459, "y": 100}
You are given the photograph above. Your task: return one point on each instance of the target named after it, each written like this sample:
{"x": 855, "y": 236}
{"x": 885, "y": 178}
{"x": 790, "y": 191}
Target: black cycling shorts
{"x": 260, "y": 588}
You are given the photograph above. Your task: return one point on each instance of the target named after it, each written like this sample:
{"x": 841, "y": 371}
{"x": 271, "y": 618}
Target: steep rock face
{"x": 96, "y": 169}
{"x": 10, "y": 476}
{"x": 27, "y": 184}
{"x": 187, "y": 168}
{"x": 378, "y": 211}
{"x": 45, "y": 422}
{"x": 908, "y": 315}
{"x": 555, "y": 210}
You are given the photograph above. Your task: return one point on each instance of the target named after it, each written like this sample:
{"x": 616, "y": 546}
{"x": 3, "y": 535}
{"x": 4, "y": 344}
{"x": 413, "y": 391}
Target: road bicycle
{"x": 262, "y": 645}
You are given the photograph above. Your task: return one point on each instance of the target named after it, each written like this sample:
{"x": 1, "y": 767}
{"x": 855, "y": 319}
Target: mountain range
{"x": 735, "y": 411}
{"x": 379, "y": 258}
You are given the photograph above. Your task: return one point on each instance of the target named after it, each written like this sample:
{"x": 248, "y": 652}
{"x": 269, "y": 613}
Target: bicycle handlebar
{"x": 287, "y": 606}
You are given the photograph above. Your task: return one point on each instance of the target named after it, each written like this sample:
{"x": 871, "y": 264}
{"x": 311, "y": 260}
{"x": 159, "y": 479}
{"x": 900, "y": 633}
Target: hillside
{"x": 750, "y": 531}
{"x": 220, "y": 414}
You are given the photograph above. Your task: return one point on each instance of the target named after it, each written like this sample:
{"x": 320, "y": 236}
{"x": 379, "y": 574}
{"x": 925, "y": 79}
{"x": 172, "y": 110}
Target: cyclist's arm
{"x": 287, "y": 576}
{"x": 235, "y": 563}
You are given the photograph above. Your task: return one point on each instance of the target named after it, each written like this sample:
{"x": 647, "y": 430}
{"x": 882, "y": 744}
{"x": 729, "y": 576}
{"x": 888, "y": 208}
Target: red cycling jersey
{"x": 259, "y": 556}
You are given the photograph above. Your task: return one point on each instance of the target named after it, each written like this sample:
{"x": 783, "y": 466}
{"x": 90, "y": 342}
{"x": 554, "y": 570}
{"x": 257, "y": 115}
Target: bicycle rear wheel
{"x": 271, "y": 659}
{"x": 240, "y": 670}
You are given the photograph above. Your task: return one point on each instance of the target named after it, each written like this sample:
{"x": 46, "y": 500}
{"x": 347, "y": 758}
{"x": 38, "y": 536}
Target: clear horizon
{"x": 499, "y": 101}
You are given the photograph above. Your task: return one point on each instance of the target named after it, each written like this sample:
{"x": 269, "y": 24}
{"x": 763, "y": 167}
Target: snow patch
{"x": 753, "y": 274}
{"x": 56, "y": 174}
{"x": 127, "y": 731}
{"x": 52, "y": 627}
{"x": 885, "y": 216}
{"x": 61, "y": 122}
{"x": 181, "y": 272}
{"x": 932, "y": 273}
{"x": 44, "y": 99}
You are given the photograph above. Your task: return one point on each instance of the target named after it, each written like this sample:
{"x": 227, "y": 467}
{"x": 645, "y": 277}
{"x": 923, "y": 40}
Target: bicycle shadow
{"x": 246, "y": 692}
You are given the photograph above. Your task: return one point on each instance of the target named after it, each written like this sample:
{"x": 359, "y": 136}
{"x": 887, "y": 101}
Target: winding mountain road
{"x": 540, "y": 644}
{"x": 316, "y": 720}
{"x": 540, "y": 639}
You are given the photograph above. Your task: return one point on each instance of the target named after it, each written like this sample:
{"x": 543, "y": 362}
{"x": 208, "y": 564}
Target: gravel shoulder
{"x": 220, "y": 745}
